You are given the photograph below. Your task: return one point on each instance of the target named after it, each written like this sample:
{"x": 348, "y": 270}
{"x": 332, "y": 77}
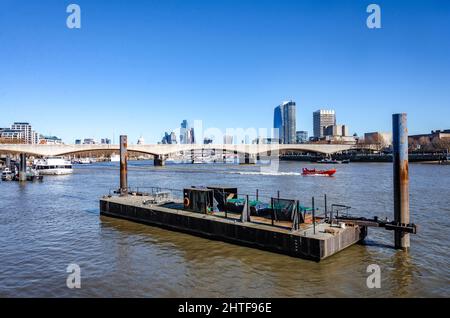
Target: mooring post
{"x": 123, "y": 165}
{"x": 23, "y": 167}
{"x": 326, "y": 209}
{"x": 8, "y": 162}
{"x": 272, "y": 215}
{"x": 400, "y": 178}
{"x": 313, "y": 216}
{"x": 246, "y": 210}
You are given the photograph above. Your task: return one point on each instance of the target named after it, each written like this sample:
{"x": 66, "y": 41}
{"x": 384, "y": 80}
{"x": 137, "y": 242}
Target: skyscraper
{"x": 322, "y": 119}
{"x": 278, "y": 123}
{"x": 183, "y": 130}
{"x": 285, "y": 122}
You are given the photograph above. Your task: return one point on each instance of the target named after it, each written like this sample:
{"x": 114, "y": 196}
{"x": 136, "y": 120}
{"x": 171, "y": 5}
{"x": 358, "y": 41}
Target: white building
{"x": 29, "y": 135}
{"x": 11, "y": 134}
{"x": 50, "y": 140}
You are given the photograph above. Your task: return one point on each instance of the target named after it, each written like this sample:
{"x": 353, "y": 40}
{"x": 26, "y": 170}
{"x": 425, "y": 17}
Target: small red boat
{"x": 314, "y": 172}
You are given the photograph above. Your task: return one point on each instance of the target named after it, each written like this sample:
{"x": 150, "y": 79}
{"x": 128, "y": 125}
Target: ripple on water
{"x": 46, "y": 226}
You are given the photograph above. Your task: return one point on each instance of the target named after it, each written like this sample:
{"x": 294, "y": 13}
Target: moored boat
{"x": 328, "y": 161}
{"x": 53, "y": 166}
{"x": 7, "y": 174}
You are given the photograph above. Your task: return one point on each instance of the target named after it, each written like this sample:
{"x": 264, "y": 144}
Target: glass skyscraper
{"x": 285, "y": 123}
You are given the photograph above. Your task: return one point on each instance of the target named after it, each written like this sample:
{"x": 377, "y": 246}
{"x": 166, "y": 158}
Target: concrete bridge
{"x": 162, "y": 150}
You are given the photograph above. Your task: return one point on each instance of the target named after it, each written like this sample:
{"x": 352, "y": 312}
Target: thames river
{"x": 45, "y": 226}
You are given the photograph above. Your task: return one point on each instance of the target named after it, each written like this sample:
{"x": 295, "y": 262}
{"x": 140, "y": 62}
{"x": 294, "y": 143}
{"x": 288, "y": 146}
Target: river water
{"x": 46, "y": 226}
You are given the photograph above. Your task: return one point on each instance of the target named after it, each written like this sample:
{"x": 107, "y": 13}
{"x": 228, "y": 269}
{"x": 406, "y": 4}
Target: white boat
{"x": 84, "y": 161}
{"x": 53, "y": 166}
{"x": 200, "y": 160}
{"x": 7, "y": 175}
{"x": 115, "y": 158}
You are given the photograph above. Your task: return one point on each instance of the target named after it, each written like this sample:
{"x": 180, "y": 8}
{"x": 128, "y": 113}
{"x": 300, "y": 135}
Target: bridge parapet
{"x": 161, "y": 149}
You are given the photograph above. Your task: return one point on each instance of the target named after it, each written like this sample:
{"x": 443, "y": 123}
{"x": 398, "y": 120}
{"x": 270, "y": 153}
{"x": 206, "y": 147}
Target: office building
{"x": 383, "y": 139}
{"x": 228, "y": 140}
{"x": 21, "y": 132}
{"x": 207, "y": 141}
{"x": 169, "y": 138}
{"x": 336, "y": 131}
{"x": 88, "y": 141}
{"x": 11, "y": 135}
{"x": 186, "y": 133}
{"x": 322, "y": 119}
{"x": 301, "y": 136}
{"x": 284, "y": 122}
{"x": 49, "y": 140}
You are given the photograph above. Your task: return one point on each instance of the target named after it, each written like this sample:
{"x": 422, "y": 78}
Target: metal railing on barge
{"x": 261, "y": 208}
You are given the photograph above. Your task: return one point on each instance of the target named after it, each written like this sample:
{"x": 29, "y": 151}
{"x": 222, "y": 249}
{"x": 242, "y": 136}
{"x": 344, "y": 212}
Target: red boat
{"x": 314, "y": 172}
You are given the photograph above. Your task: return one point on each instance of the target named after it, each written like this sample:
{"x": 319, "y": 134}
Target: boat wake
{"x": 258, "y": 173}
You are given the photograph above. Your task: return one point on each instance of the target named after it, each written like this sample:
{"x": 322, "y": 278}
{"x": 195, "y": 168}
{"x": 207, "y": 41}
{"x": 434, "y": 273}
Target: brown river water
{"x": 46, "y": 226}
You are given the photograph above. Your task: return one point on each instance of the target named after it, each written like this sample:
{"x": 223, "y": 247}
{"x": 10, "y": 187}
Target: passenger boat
{"x": 314, "y": 172}
{"x": 7, "y": 174}
{"x": 53, "y": 166}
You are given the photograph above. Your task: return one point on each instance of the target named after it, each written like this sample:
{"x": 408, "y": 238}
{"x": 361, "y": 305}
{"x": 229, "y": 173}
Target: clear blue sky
{"x": 140, "y": 67}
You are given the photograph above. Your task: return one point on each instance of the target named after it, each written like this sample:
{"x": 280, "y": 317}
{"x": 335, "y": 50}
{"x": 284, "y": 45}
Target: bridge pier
{"x": 247, "y": 159}
{"x": 23, "y": 167}
{"x": 159, "y": 161}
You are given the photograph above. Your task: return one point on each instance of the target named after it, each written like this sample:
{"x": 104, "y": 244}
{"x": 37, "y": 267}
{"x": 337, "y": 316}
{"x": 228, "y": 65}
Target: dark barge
{"x": 282, "y": 226}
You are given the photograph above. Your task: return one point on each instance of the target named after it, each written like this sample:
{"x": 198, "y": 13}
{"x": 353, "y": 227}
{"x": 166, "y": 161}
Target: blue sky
{"x": 140, "y": 67}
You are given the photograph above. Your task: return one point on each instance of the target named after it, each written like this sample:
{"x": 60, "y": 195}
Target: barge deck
{"x": 308, "y": 241}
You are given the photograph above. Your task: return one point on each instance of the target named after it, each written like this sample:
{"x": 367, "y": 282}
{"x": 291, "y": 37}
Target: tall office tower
{"x": 190, "y": 137}
{"x": 227, "y": 139}
{"x": 183, "y": 132}
{"x": 173, "y": 138}
{"x": 322, "y": 119}
{"x": 278, "y": 123}
{"x": 285, "y": 122}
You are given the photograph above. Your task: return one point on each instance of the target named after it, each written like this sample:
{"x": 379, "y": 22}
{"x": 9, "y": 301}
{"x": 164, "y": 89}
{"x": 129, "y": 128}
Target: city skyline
{"x": 135, "y": 75}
